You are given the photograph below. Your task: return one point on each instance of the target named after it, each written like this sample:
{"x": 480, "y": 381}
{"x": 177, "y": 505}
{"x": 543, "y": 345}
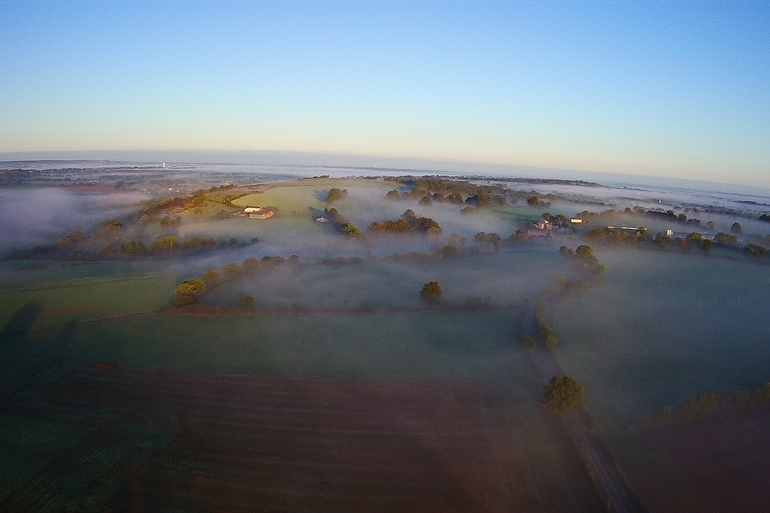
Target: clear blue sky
{"x": 677, "y": 89}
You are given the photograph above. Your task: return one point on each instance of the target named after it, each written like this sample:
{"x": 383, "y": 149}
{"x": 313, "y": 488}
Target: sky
{"x": 661, "y": 89}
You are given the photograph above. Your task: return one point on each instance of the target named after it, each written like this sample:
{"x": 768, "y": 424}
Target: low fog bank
{"x": 35, "y": 216}
{"x": 506, "y": 278}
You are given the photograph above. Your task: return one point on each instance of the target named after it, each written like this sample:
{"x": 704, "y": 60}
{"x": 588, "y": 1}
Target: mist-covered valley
{"x": 207, "y": 306}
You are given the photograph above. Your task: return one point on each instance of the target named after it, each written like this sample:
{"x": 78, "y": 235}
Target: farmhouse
{"x": 543, "y": 224}
{"x": 258, "y": 212}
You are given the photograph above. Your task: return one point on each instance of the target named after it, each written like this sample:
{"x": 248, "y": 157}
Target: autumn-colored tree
{"x": 164, "y": 244}
{"x": 186, "y": 292}
{"x": 431, "y": 293}
{"x": 212, "y": 277}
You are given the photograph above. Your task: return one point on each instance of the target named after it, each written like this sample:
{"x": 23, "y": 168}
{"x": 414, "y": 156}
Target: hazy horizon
{"x": 375, "y": 165}
{"x": 671, "y": 89}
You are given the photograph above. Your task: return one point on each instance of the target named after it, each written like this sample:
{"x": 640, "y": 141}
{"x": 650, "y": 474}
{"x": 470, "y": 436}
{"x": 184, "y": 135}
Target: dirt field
{"x": 171, "y": 441}
{"x": 718, "y": 464}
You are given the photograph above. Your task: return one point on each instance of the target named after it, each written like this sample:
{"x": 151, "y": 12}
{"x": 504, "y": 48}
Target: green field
{"x": 301, "y": 196}
{"x": 84, "y": 299}
{"x": 473, "y": 344}
{"x": 662, "y": 328}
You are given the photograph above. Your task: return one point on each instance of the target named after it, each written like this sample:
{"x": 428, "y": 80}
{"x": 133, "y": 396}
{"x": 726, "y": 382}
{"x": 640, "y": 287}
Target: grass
{"x": 82, "y": 299}
{"x": 473, "y": 344}
{"x": 659, "y": 331}
{"x": 507, "y": 278}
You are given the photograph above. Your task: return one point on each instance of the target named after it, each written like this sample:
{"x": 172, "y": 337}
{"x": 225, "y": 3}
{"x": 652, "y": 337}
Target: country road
{"x": 548, "y": 366}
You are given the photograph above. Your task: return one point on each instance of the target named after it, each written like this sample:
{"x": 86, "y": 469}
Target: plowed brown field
{"x": 263, "y": 443}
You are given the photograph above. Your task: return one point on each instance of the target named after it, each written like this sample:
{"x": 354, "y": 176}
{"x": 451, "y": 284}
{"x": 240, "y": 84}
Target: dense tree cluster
{"x": 435, "y": 189}
{"x": 420, "y": 223}
{"x": 706, "y": 404}
{"x": 167, "y": 222}
{"x": 400, "y": 226}
{"x": 191, "y": 288}
{"x": 544, "y": 331}
{"x": 753, "y": 250}
{"x": 694, "y": 240}
{"x": 340, "y": 222}
{"x": 489, "y": 241}
{"x": 664, "y": 215}
{"x": 586, "y": 260}
{"x": 109, "y": 229}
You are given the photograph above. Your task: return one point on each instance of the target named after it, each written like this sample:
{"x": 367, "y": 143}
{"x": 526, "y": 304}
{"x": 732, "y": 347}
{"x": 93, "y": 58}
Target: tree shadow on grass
{"x": 321, "y": 195}
{"x": 23, "y": 320}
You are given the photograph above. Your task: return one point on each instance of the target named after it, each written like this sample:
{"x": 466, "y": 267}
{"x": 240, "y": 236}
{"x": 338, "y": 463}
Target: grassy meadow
{"x": 83, "y": 299}
{"x": 662, "y": 328}
{"x": 473, "y": 344}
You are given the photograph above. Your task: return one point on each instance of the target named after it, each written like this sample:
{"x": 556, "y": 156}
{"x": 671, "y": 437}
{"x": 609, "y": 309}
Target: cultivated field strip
{"x": 272, "y": 443}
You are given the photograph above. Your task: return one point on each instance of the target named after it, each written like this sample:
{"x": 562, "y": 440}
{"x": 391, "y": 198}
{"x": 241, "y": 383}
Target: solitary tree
{"x": 529, "y": 343}
{"x": 562, "y": 394}
{"x": 736, "y": 228}
{"x": 246, "y": 303}
{"x": 431, "y": 293}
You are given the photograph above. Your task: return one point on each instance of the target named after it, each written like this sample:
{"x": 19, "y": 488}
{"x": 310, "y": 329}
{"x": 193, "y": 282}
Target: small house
{"x": 258, "y": 212}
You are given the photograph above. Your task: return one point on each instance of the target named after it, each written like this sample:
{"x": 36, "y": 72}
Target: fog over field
{"x": 663, "y": 328}
{"x": 156, "y": 296}
{"x": 34, "y": 216}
